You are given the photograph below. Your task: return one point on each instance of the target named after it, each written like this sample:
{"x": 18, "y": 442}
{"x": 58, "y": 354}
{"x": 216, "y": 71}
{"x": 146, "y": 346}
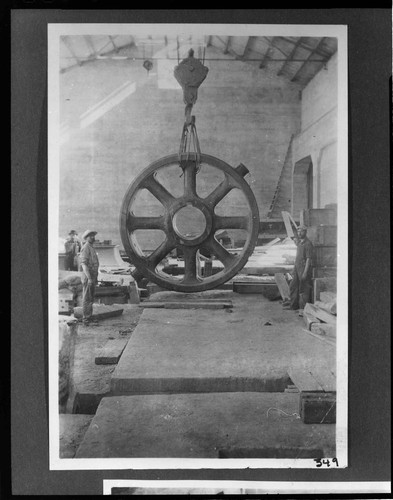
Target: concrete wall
{"x": 116, "y": 119}
{"x": 318, "y": 138}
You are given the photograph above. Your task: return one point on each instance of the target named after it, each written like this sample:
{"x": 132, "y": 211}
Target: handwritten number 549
{"x": 320, "y": 462}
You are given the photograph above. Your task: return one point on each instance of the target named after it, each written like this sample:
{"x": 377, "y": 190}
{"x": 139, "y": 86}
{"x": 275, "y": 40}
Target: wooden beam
{"x": 290, "y": 57}
{"x": 89, "y": 42}
{"x": 115, "y": 47}
{"x": 228, "y": 44}
{"x": 305, "y": 46}
{"x": 314, "y": 51}
{"x": 247, "y": 48}
{"x": 68, "y": 44}
{"x": 266, "y": 57}
{"x": 272, "y": 44}
{"x": 282, "y": 285}
{"x": 187, "y": 304}
{"x": 319, "y": 313}
{"x": 111, "y": 352}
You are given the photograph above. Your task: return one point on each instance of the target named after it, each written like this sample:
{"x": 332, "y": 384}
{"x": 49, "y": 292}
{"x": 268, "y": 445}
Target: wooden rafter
{"x": 90, "y": 44}
{"x": 228, "y": 44}
{"x": 115, "y": 47}
{"x": 67, "y": 43}
{"x": 290, "y": 57}
{"x": 266, "y": 57}
{"x": 247, "y": 48}
{"x": 305, "y": 46}
{"x": 272, "y": 44}
{"x": 314, "y": 51}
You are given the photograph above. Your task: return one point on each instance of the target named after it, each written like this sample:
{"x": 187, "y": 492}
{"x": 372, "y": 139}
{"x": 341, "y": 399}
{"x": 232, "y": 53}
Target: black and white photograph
{"x": 213, "y": 489}
{"x": 197, "y": 250}
{"x": 200, "y": 292}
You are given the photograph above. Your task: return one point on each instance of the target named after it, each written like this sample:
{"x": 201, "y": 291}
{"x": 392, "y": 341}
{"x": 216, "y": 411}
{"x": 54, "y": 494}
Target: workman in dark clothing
{"x": 72, "y": 247}
{"x": 89, "y": 263}
{"x": 301, "y": 285}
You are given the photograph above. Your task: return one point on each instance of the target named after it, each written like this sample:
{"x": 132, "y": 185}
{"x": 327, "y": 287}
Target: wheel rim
{"x": 173, "y": 223}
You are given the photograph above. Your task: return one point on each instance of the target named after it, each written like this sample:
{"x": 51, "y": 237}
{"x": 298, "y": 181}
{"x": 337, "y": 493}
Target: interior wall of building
{"x": 116, "y": 119}
{"x": 318, "y": 138}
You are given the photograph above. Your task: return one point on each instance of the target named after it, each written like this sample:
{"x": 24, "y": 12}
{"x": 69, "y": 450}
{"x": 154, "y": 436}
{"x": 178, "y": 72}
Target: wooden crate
{"x": 325, "y": 256}
{"x": 318, "y": 407}
{"x": 317, "y": 216}
{"x": 322, "y": 235}
{"x": 323, "y": 285}
{"x": 324, "y": 272}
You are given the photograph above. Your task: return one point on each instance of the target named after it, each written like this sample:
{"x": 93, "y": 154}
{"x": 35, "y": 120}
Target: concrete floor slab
{"x": 249, "y": 349}
{"x": 216, "y": 425}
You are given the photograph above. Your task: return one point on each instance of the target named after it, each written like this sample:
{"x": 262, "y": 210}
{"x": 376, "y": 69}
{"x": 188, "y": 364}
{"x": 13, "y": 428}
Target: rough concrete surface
{"x": 90, "y": 378}
{"x": 72, "y": 431}
{"x": 239, "y": 424}
{"x": 249, "y": 349}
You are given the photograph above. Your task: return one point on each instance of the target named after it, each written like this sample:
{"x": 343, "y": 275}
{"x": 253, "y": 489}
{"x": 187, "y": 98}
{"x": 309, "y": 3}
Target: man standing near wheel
{"x": 89, "y": 262}
{"x": 301, "y": 284}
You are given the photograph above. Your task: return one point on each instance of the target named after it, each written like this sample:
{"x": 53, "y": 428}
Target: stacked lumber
{"x": 319, "y": 320}
{"x": 327, "y": 302}
{"x": 322, "y": 232}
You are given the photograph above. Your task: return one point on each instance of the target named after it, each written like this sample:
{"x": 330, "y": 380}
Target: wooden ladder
{"x": 276, "y": 192}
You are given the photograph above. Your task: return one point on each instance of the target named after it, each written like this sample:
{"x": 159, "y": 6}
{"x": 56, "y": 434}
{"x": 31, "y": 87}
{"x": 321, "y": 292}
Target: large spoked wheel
{"x": 188, "y": 221}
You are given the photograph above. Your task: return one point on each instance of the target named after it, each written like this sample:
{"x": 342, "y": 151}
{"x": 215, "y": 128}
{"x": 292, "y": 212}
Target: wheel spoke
{"x": 230, "y": 222}
{"x": 220, "y": 252}
{"x": 190, "y": 264}
{"x": 219, "y": 193}
{"x": 158, "y": 190}
{"x": 135, "y": 222}
{"x": 160, "y": 252}
{"x": 190, "y": 179}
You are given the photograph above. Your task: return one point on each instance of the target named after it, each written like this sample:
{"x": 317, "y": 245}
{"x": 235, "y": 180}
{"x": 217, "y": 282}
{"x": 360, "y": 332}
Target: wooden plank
{"x": 121, "y": 279}
{"x": 102, "y": 291}
{"x": 319, "y": 313}
{"x": 330, "y": 307}
{"x": 324, "y": 329}
{"x": 187, "y": 304}
{"x": 100, "y": 311}
{"x": 269, "y": 290}
{"x": 309, "y": 320}
{"x": 282, "y": 285}
{"x": 186, "y": 298}
{"x": 289, "y": 223}
{"x": 111, "y": 352}
{"x": 320, "y": 337}
{"x": 303, "y": 380}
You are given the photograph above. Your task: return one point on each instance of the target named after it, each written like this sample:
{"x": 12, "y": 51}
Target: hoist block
{"x": 190, "y": 73}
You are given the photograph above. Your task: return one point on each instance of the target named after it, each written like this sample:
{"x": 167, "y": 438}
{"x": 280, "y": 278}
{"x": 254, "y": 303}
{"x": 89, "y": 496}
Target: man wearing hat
{"x": 301, "y": 284}
{"x": 72, "y": 247}
{"x": 89, "y": 263}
